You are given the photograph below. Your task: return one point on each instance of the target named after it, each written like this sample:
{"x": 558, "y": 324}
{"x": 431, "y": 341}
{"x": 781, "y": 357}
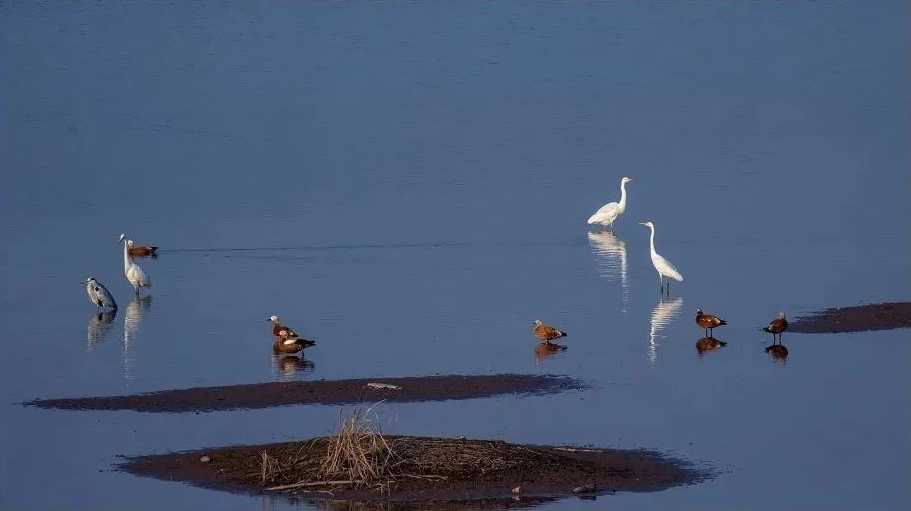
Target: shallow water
{"x": 408, "y": 183}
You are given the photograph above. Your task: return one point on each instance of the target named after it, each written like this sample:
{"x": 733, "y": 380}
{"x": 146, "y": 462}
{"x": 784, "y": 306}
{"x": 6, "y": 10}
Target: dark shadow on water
{"x": 544, "y": 351}
{"x": 778, "y": 352}
{"x": 707, "y": 344}
{"x": 99, "y": 327}
{"x": 517, "y": 502}
{"x": 289, "y": 366}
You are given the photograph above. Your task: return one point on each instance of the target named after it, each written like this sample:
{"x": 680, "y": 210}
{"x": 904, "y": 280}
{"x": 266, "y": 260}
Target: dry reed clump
{"x": 359, "y": 453}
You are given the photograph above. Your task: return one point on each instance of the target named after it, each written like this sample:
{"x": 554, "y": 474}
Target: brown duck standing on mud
{"x": 777, "y": 326}
{"x": 287, "y": 340}
{"x": 142, "y": 251}
{"x": 547, "y": 333}
{"x": 708, "y": 322}
{"x": 709, "y": 344}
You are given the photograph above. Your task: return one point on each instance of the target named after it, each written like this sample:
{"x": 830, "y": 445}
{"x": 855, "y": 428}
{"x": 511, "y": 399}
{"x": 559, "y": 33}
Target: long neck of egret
{"x": 126, "y": 256}
{"x": 622, "y": 196}
{"x": 651, "y": 239}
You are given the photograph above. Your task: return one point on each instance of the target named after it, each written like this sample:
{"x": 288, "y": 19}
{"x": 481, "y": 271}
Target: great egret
{"x": 135, "y": 275}
{"x": 547, "y": 333}
{"x": 777, "y": 326}
{"x": 708, "y": 322}
{"x": 612, "y": 210}
{"x": 663, "y": 266}
{"x": 99, "y": 295}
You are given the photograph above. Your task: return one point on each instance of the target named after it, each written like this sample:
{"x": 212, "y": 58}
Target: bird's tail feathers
{"x": 723, "y": 322}
{"x": 722, "y": 343}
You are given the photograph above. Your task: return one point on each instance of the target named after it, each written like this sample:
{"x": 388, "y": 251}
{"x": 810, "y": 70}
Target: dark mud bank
{"x": 332, "y": 392}
{"x": 433, "y": 470}
{"x": 879, "y": 316}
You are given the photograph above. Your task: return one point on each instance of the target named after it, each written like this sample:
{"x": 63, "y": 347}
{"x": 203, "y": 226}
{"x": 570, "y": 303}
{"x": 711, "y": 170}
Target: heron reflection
{"x": 99, "y": 326}
{"x": 132, "y": 319}
{"x": 662, "y": 315}
{"x": 610, "y": 252}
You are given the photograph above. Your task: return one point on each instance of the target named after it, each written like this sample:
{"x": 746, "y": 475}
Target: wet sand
{"x": 879, "y": 316}
{"x": 439, "y": 470}
{"x": 334, "y": 392}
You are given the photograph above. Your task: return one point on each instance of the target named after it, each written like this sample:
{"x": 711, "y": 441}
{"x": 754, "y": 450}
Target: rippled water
{"x": 408, "y": 183}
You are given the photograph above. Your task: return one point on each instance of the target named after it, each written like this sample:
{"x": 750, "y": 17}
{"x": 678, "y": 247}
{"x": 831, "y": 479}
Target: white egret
{"x": 135, "y": 275}
{"x": 610, "y": 252}
{"x": 612, "y": 210}
{"x": 99, "y": 295}
{"x": 663, "y": 266}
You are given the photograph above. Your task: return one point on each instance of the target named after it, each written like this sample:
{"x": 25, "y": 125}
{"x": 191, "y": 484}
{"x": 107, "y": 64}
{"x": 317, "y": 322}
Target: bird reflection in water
{"x": 610, "y": 252}
{"x": 707, "y": 344}
{"x": 132, "y": 318}
{"x": 545, "y": 350}
{"x": 99, "y": 326}
{"x": 778, "y": 352}
{"x": 290, "y": 365}
{"x": 662, "y": 315}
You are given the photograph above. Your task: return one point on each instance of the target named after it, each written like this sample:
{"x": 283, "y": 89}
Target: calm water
{"x": 408, "y": 183}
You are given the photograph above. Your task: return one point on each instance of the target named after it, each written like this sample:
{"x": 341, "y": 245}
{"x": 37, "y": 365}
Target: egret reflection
{"x": 99, "y": 326}
{"x": 662, "y": 315}
{"x": 132, "y": 319}
{"x": 610, "y": 252}
{"x": 290, "y": 365}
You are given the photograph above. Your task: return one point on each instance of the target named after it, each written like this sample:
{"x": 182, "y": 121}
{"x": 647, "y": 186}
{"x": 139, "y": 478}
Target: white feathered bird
{"x": 135, "y": 275}
{"x": 663, "y": 266}
{"x": 612, "y": 210}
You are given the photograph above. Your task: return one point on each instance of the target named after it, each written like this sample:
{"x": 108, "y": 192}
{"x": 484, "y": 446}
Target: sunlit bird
{"x": 609, "y": 212}
{"x": 547, "y": 333}
{"x": 287, "y": 340}
{"x": 135, "y": 275}
{"x": 142, "y": 251}
{"x": 777, "y": 326}
{"x": 663, "y": 266}
{"x": 708, "y": 322}
{"x": 99, "y": 295}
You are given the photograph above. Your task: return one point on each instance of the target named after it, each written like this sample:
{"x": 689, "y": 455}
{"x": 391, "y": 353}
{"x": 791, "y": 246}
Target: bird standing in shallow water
{"x": 609, "y": 212}
{"x": 664, "y": 267}
{"x": 777, "y": 326}
{"x": 708, "y": 322}
{"x": 547, "y": 333}
{"x": 99, "y": 295}
{"x": 142, "y": 251}
{"x": 134, "y": 274}
{"x": 287, "y": 340}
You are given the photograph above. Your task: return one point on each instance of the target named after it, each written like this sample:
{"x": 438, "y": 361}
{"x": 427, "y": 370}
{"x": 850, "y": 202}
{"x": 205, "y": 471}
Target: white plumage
{"x": 663, "y": 266}
{"x": 135, "y": 275}
{"x": 612, "y": 210}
